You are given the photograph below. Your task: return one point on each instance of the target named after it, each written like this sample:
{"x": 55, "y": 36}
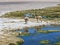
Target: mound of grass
{"x": 48, "y": 31}
{"x": 44, "y": 42}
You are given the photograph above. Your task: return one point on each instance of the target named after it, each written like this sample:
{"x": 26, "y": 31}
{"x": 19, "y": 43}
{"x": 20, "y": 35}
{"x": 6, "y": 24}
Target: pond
{"x": 42, "y": 38}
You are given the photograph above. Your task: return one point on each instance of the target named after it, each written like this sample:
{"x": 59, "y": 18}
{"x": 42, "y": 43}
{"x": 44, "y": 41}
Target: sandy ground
{"x": 14, "y": 24}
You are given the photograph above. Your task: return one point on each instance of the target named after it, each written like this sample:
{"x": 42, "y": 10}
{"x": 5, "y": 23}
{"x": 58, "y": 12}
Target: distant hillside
{"x": 5, "y": 3}
{"x": 49, "y": 12}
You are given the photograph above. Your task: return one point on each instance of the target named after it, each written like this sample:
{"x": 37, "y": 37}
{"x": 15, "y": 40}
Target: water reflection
{"x": 36, "y": 38}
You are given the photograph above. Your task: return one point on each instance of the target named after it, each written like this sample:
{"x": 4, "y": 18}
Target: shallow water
{"x": 51, "y": 28}
{"x": 35, "y": 39}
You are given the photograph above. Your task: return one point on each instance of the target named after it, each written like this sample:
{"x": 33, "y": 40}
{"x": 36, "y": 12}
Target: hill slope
{"x": 49, "y": 12}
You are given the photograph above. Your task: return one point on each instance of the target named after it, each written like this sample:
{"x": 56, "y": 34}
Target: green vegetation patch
{"x": 44, "y": 42}
{"x": 48, "y": 13}
{"x": 48, "y": 31}
{"x": 57, "y": 43}
{"x": 19, "y": 43}
{"x": 25, "y": 34}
